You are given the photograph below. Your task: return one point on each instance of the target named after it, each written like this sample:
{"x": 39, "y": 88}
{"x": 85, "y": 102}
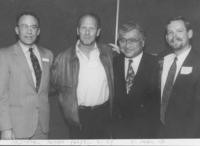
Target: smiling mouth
{"x": 176, "y": 40}
{"x": 28, "y": 37}
{"x": 128, "y": 51}
{"x": 87, "y": 38}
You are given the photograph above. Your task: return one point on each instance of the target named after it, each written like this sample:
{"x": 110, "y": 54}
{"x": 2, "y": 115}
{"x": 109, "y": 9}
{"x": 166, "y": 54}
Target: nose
{"x": 29, "y": 30}
{"x": 173, "y": 35}
{"x": 128, "y": 45}
{"x": 87, "y": 31}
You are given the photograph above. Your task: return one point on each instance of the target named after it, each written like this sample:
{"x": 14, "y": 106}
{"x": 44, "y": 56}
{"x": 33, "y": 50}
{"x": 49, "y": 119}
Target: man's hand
{"x": 7, "y": 135}
{"x": 115, "y": 48}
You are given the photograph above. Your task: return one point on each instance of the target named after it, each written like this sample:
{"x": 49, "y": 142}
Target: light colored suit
{"x": 21, "y": 107}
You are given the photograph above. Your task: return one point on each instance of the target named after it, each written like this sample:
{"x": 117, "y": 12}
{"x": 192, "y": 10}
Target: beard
{"x": 176, "y": 43}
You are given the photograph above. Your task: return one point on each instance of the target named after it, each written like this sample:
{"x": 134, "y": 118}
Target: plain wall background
{"x": 59, "y": 17}
{"x": 58, "y": 27}
{"x": 154, "y": 14}
{"x": 58, "y": 20}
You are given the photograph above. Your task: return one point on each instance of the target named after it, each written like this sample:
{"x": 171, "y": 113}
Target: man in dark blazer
{"x": 180, "y": 83}
{"x": 136, "y": 100}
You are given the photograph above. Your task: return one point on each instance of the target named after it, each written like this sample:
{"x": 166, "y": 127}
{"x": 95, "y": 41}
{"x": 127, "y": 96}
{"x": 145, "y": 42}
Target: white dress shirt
{"x": 168, "y": 60}
{"x": 135, "y": 64}
{"x": 26, "y": 52}
{"x": 92, "y": 80}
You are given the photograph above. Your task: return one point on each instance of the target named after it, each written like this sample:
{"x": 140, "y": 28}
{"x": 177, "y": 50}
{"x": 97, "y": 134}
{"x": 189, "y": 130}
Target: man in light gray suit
{"x": 24, "y": 83}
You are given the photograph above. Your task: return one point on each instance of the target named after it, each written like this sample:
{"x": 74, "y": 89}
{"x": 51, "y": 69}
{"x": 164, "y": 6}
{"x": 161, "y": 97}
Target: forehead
{"x": 28, "y": 19}
{"x": 88, "y": 21}
{"x": 176, "y": 24}
{"x": 134, "y": 33}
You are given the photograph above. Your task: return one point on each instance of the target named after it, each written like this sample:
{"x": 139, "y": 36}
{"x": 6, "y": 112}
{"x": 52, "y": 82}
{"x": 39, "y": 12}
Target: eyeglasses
{"x": 26, "y": 27}
{"x": 128, "y": 41}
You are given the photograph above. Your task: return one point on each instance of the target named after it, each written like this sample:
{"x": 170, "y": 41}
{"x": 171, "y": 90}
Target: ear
{"x": 190, "y": 33}
{"x": 98, "y": 32}
{"x": 77, "y": 31}
{"x": 166, "y": 38}
{"x": 38, "y": 32}
{"x": 16, "y": 30}
{"x": 142, "y": 43}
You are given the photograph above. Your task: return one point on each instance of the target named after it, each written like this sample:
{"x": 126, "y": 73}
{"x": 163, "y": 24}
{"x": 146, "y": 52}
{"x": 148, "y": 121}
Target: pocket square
{"x": 186, "y": 70}
{"x": 45, "y": 59}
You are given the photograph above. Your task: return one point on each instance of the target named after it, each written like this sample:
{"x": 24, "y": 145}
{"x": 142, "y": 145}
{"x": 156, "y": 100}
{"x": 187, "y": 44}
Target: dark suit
{"x": 136, "y": 115}
{"x": 183, "y": 110}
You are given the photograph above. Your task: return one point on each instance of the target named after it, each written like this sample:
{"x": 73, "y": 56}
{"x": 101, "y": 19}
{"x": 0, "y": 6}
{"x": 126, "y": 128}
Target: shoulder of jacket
{"x": 8, "y": 49}
{"x": 65, "y": 54}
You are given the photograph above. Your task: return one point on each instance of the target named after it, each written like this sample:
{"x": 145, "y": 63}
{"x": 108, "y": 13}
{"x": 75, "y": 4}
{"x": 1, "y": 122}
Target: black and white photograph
{"x": 100, "y": 72}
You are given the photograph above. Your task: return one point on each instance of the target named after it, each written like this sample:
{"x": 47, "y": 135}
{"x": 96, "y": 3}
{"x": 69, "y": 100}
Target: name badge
{"x": 186, "y": 70}
{"x": 45, "y": 59}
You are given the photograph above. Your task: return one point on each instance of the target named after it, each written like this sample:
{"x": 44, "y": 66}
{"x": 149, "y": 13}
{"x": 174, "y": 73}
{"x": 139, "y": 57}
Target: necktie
{"x": 36, "y": 67}
{"x": 167, "y": 90}
{"x": 130, "y": 76}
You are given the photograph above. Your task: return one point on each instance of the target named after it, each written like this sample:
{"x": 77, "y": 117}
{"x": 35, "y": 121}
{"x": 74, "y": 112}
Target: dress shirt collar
{"x": 180, "y": 57}
{"x": 25, "y": 48}
{"x": 136, "y": 62}
{"x": 94, "y": 51}
{"x": 183, "y": 55}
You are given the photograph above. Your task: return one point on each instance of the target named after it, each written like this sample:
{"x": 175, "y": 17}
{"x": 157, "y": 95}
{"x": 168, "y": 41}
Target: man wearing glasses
{"x": 136, "y": 101}
{"x": 24, "y": 79}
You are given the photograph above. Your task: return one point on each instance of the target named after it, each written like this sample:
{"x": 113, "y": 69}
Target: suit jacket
{"x": 183, "y": 110}
{"x": 21, "y": 107}
{"x": 140, "y": 108}
{"x": 65, "y": 79}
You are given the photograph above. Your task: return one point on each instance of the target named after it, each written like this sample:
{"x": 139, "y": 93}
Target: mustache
{"x": 176, "y": 39}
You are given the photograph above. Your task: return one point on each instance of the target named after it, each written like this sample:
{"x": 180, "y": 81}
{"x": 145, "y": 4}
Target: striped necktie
{"x": 167, "y": 90}
{"x": 130, "y": 76}
{"x": 36, "y": 67}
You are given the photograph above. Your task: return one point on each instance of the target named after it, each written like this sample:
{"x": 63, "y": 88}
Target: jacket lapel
{"x": 44, "y": 67}
{"x": 119, "y": 72}
{"x": 188, "y": 62}
{"x": 140, "y": 73}
{"x": 160, "y": 62}
{"x": 106, "y": 61}
{"x": 22, "y": 63}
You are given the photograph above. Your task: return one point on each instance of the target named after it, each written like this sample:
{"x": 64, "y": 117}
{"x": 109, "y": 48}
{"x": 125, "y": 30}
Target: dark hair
{"x": 92, "y": 15}
{"x": 180, "y": 18}
{"x": 30, "y": 13}
{"x": 129, "y": 26}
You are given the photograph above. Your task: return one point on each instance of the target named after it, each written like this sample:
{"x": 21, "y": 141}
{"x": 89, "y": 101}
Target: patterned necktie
{"x": 129, "y": 77}
{"x": 36, "y": 67}
{"x": 167, "y": 90}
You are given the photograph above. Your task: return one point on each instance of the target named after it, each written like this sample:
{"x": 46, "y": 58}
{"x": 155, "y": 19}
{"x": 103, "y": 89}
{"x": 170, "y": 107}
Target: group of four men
{"x": 102, "y": 94}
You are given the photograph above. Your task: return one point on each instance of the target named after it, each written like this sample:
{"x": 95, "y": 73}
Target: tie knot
{"x": 130, "y": 61}
{"x": 175, "y": 59}
{"x": 31, "y": 50}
